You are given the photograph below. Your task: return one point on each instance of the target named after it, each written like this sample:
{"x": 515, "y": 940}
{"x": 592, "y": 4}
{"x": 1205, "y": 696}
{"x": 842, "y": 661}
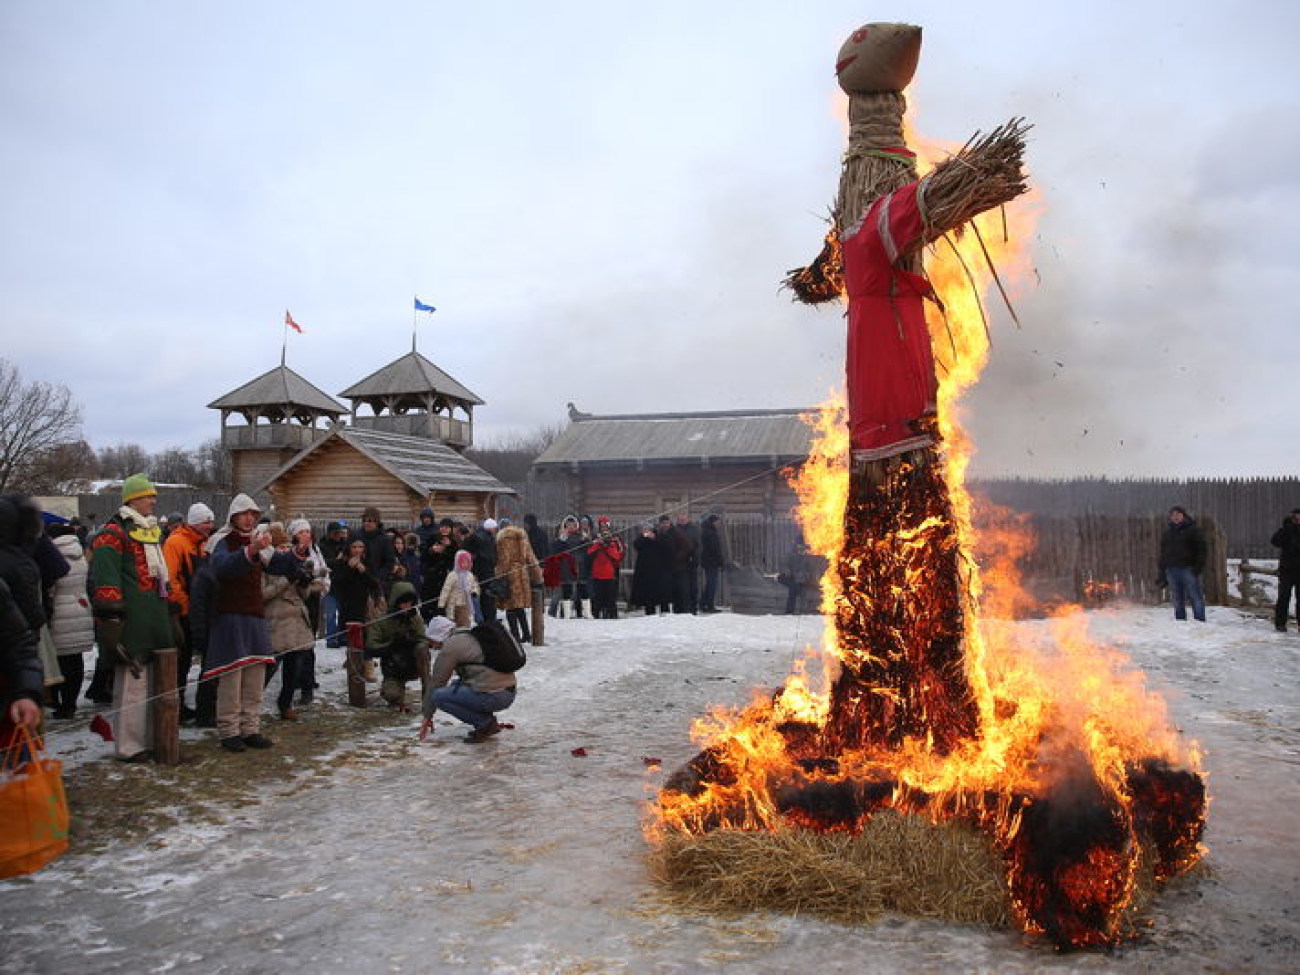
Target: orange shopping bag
{"x": 33, "y": 807}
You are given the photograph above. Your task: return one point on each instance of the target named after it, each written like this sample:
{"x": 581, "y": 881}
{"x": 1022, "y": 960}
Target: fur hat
{"x": 198, "y": 514}
{"x": 137, "y": 486}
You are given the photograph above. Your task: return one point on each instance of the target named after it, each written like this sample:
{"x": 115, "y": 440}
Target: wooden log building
{"x": 352, "y": 468}
{"x": 635, "y": 466}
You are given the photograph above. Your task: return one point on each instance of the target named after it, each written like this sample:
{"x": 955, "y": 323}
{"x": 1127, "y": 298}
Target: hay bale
{"x": 898, "y": 863}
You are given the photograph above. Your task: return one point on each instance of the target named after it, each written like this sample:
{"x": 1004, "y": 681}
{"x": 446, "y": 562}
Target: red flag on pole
{"x": 288, "y": 320}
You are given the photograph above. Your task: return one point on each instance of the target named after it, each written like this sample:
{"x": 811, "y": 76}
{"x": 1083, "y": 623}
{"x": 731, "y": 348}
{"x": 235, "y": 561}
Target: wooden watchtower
{"x": 283, "y": 414}
{"x": 413, "y": 397}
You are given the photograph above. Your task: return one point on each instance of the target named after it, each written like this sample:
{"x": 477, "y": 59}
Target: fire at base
{"x": 1044, "y": 744}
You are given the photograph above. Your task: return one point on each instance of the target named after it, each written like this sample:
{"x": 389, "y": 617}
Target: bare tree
{"x": 67, "y": 468}
{"x": 509, "y": 457}
{"x": 175, "y": 465}
{"x": 35, "y": 418}
{"x": 213, "y": 462}
{"x": 123, "y": 460}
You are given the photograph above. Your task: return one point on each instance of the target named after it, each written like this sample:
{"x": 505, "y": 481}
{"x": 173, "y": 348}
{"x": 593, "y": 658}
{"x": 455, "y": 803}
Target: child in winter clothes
{"x": 459, "y": 597}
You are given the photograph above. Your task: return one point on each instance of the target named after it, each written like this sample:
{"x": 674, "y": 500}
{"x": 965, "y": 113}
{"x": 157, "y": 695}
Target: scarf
{"x": 465, "y": 579}
{"x": 145, "y": 532}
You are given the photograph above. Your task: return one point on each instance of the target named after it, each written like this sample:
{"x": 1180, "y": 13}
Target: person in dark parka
{"x": 652, "y": 575}
{"x": 22, "y": 681}
{"x": 1182, "y": 560}
{"x": 1287, "y": 540}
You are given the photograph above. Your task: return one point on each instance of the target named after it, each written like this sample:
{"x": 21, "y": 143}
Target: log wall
{"x": 252, "y": 468}
{"x": 337, "y": 482}
{"x": 1248, "y": 510}
{"x": 732, "y": 490}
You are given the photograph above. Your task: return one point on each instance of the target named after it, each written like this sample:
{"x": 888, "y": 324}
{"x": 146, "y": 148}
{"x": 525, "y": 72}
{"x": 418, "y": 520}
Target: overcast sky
{"x": 601, "y": 198}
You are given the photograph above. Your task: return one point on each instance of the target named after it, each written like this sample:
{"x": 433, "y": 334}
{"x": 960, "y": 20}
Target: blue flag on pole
{"x": 421, "y": 306}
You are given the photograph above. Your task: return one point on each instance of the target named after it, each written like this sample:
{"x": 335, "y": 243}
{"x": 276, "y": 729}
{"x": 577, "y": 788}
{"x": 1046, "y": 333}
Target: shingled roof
{"x": 280, "y": 386}
{"x": 410, "y": 375}
{"x": 422, "y": 464}
{"x": 733, "y": 436}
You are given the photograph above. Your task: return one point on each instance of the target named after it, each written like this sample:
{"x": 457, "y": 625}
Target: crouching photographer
{"x": 484, "y": 661}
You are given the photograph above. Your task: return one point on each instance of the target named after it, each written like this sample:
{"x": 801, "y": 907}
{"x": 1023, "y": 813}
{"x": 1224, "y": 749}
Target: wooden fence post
{"x": 355, "y": 665}
{"x": 166, "y": 709}
{"x": 539, "y": 616}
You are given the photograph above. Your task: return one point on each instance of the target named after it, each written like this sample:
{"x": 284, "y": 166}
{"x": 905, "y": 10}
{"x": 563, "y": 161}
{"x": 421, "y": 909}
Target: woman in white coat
{"x": 72, "y": 626}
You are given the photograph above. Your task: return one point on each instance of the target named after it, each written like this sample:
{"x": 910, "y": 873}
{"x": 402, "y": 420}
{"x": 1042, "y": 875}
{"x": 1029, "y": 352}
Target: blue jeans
{"x": 709, "y": 600}
{"x": 1184, "y": 584}
{"x": 330, "y": 610}
{"x": 476, "y": 708}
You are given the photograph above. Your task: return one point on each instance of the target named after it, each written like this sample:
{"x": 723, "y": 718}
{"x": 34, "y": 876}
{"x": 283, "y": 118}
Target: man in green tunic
{"x": 132, "y": 618}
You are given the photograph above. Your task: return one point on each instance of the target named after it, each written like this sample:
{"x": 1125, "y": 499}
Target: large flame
{"x": 1058, "y": 714}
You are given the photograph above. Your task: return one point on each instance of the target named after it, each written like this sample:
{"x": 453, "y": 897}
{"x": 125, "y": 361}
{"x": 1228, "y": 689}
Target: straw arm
{"x": 987, "y": 173}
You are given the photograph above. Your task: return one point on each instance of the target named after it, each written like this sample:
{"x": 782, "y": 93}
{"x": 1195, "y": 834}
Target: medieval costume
{"x": 133, "y": 619}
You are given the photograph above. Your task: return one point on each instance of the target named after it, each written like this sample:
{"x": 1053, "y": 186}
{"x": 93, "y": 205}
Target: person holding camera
{"x": 605, "y": 555}
{"x": 287, "y": 615}
{"x": 239, "y": 640}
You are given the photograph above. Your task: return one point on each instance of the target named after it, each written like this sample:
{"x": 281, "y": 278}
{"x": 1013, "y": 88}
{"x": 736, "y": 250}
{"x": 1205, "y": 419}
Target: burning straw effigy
{"x": 947, "y": 770}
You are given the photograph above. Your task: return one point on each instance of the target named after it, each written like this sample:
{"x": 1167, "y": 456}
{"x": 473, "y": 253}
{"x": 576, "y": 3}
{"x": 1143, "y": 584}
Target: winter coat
{"x": 397, "y": 637}
{"x": 123, "y": 587}
{"x": 685, "y": 545}
{"x": 426, "y": 533}
{"x": 606, "y": 554}
{"x": 516, "y": 567}
{"x": 72, "y": 625}
{"x": 1182, "y": 546}
{"x": 711, "y": 556}
{"x": 183, "y": 551}
{"x": 462, "y": 655}
{"x": 286, "y": 612}
{"x": 351, "y": 588}
{"x": 1287, "y": 538}
{"x": 435, "y": 566}
{"x": 562, "y": 566}
{"x": 380, "y": 557}
{"x": 537, "y": 537}
{"x": 800, "y": 569}
{"x": 454, "y": 593}
{"x": 20, "y": 665}
{"x": 652, "y": 576}
{"x": 238, "y": 634}
{"x": 409, "y": 569}
{"x": 20, "y": 526}
{"x": 53, "y": 567}
{"x": 483, "y": 546}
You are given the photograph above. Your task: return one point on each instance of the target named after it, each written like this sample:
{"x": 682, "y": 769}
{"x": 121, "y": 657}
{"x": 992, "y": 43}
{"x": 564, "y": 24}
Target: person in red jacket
{"x": 606, "y": 555}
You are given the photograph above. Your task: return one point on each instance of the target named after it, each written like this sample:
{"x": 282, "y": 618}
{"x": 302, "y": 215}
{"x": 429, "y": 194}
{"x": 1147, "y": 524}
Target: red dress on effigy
{"x": 891, "y": 379}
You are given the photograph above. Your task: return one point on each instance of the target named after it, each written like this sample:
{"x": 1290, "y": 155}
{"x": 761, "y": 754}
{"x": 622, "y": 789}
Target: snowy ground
{"x": 518, "y": 856}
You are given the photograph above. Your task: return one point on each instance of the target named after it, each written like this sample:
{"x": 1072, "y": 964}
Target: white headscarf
{"x": 238, "y": 504}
